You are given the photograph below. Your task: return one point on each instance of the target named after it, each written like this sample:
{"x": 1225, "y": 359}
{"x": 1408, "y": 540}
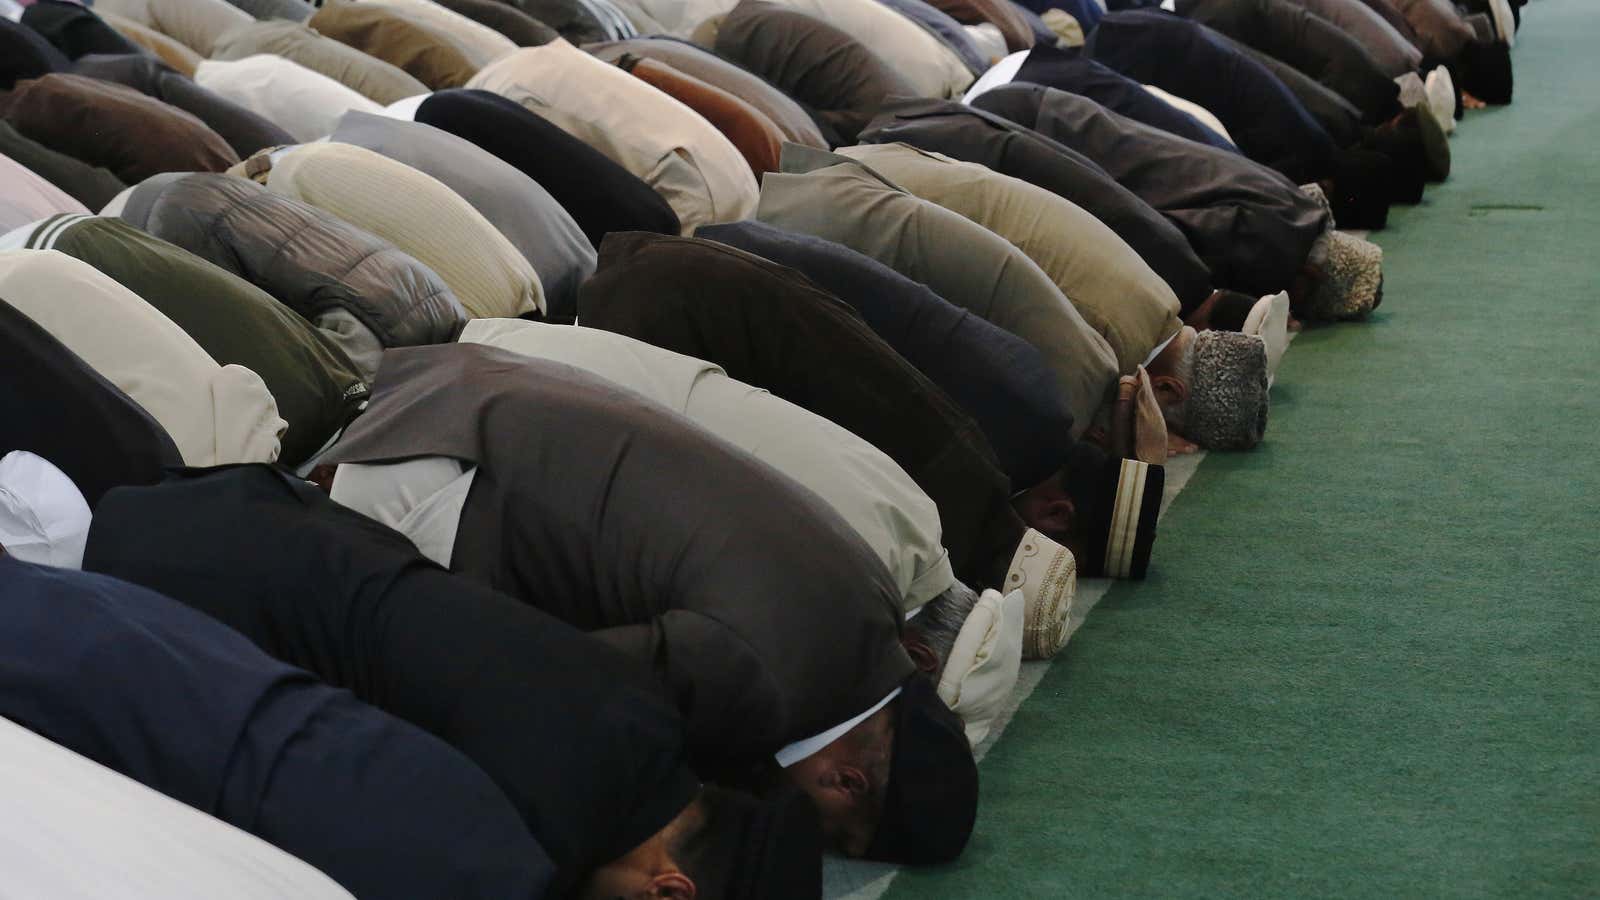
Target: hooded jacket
{"x": 360, "y": 289}
{"x": 997, "y": 378}
{"x": 180, "y": 702}
{"x": 244, "y": 130}
{"x": 666, "y": 144}
{"x": 516, "y": 205}
{"x": 315, "y": 386}
{"x": 1187, "y": 59}
{"x": 580, "y": 742}
{"x": 54, "y": 404}
{"x": 768, "y": 327}
{"x": 843, "y": 200}
{"x": 866, "y": 488}
{"x": 959, "y": 131}
{"x": 600, "y": 195}
{"x": 1251, "y": 226}
{"x": 112, "y": 126}
{"x": 215, "y": 414}
{"x": 766, "y": 618}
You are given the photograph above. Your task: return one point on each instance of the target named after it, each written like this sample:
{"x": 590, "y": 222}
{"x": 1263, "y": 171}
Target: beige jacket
{"x": 304, "y": 103}
{"x": 169, "y": 50}
{"x": 197, "y": 24}
{"x": 1116, "y": 292}
{"x": 868, "y": 490}
{"x": 215, "y": 414}
{"x": 481, "y": 44}
{"x": 367, "y": 75}
{"x": 677, "y": 18}
{"x": 668, "y": 145}
{"x": 837, "y": 198}
{"x": 418, "y": 214}
{"x": 924, "y": 61}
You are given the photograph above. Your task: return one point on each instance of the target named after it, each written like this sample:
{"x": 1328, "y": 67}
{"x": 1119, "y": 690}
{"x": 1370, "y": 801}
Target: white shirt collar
{"x": 1160, "y": 347}
{"x": 1002, "y": 72}
{"x": 799, "y": 750}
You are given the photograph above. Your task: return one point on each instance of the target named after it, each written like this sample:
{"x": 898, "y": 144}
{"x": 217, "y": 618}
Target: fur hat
{"x": 1485, "y": 71}
{"x": 1047, "y": 575}
{"x": 1227, "y": 407}
{"x": 1352, "y": 283}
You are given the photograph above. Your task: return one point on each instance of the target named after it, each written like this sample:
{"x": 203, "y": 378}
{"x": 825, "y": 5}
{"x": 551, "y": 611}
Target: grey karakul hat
{"x": 1227, "y": 408}
{"x": 1352, "y": 283}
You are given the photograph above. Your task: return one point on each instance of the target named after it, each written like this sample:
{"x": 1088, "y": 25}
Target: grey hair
{"x": 941, "y": 620}
{"x": 1176, "y": 414}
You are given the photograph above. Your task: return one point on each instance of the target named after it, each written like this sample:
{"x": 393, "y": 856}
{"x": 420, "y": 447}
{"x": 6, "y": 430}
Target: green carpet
{"x": 1367, "y": 662}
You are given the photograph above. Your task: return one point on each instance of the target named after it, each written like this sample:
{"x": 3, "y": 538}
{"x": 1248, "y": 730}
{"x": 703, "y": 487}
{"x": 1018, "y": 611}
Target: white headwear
{"x": 43, "y": 517}
{"x": 985, "y": 662}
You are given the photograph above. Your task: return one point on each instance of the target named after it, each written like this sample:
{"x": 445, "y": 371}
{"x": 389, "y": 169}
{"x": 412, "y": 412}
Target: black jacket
{"x": 24, "y": 53}
{"x": 174, "y": 699}
{"x": 92, "y": 186}
{"x": 74, "y": 29}
{"x": 53, "y": 404}
{"x": 997, "y": 378}
{"x": 576, "y": 736}
{"x": 1252, "y": 227}
{"x": 761, "y": 611}
{"x": 600, "y": 195}
{"x": 1187, "y": 59}
{"x": 770, "y": 327}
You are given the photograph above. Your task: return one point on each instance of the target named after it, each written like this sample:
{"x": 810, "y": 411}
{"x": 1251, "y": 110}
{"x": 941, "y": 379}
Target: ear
{"x": 1150, "y": 426}
{"x": 1055, "y": 516}
{"x": 672, "y": 886}
{"x": 926, "y": 660}
{"x": 1170, "y": 390}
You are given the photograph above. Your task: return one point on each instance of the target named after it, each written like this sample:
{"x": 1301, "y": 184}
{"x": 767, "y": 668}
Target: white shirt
{"x": 420, "y": 498}
{"x": 43, "y": 518}
{"x": 1002, "y": 72}
{"x": 800, "y": 750}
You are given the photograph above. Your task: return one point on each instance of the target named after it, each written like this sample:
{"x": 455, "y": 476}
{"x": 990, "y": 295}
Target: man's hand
{"x": 1178, "y": 445}
{"x": 1470, "y": 102}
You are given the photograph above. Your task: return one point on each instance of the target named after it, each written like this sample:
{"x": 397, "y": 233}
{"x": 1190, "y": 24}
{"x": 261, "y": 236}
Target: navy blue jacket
{"x": 173, "y": 699}
{"x": 579, "y": 740}
{"x": 1190, "y": 60}
{"x": 998, "y": 378}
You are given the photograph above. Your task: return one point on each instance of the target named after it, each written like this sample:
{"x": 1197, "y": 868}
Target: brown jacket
{"x": 114, "y": 127}
{"x": 383, "y": 33}
{"x": 759, "y": 141}
{"x": 1002, "y": 14}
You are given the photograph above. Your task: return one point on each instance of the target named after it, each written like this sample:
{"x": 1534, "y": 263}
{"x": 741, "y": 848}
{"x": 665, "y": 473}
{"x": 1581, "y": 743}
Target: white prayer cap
{"x": 43, "y": 517}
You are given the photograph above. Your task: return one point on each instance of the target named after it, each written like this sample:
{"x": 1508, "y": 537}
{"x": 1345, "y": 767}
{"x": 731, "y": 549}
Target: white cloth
{"x": 405, "y": 110}
{"x": 43, "y": 517}
{"x": 867, "y": 488}
{"x": 305, "y": 103}
{"x": 985, "y": 662}
{"x": 215, "y": 414}
{"x": 1002, "y": 72}
{"x": 671, "y": 147}
{"x": 927, "y": 64}
{"x": 1205, "y": 116}
{"x": 421, "y": 498}
{"x": 72, "y": 829}
{"x": 810, "y": 746}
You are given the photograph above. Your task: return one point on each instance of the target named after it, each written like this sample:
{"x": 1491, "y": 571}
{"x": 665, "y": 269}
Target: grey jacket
{"x": 361, "y": 288}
